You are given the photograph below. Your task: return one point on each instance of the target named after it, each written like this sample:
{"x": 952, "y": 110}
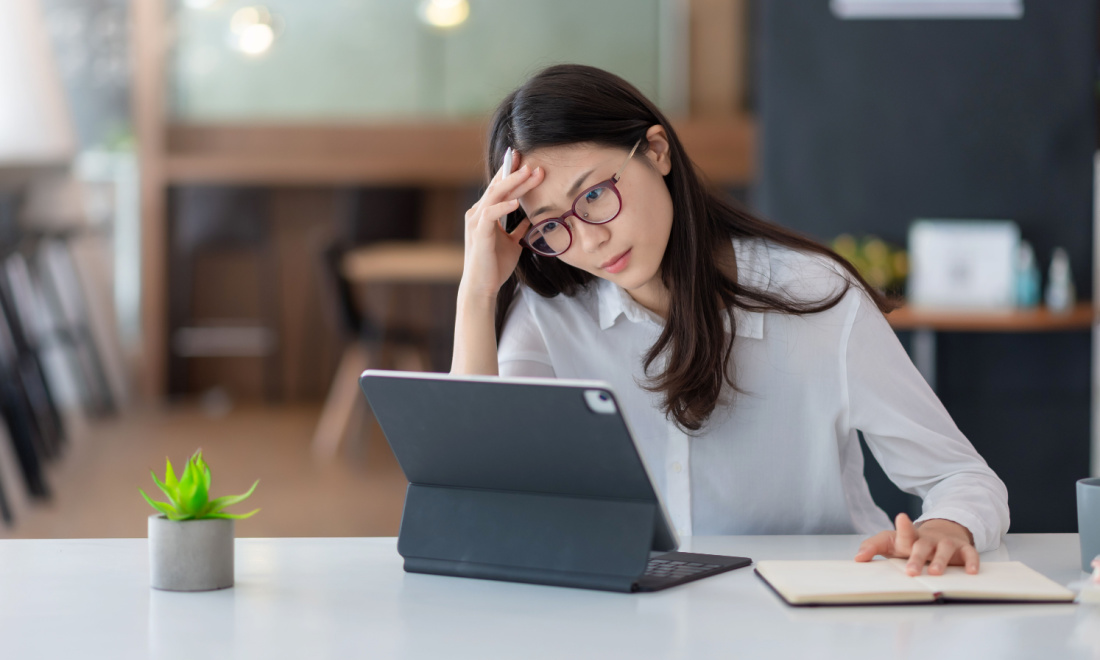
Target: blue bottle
{"x": 1028, "y": 287}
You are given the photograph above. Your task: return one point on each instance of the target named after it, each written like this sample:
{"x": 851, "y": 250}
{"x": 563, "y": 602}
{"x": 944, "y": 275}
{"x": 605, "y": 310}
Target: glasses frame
{"x": 606, "y": 183}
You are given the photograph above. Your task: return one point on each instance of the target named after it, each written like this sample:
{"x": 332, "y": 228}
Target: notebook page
{"x": 842, "y": 581}
{"x": 996, "y": 580}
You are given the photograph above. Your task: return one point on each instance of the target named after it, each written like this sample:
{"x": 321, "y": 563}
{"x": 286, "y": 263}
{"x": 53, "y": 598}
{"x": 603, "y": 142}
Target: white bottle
{"x": 1060, "y": 295}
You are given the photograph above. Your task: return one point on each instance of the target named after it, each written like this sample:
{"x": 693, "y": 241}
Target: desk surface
{"x": 348, "y": 597}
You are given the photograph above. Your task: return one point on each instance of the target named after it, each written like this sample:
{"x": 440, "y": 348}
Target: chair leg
{"x": 340, "y": 403}
{"x": 25, "y": 369}
{"x": 5, "y": 508}
{"x": 357, "y": 435}
{"x": 59, "y": 281}
{"x": 269, "y": 303}
{"x": 412, "y": 358}
{"x": 22, "y": 435}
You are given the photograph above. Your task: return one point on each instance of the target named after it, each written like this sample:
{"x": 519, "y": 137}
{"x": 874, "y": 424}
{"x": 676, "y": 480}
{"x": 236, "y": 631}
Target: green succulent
{"x": 884, "y": 266}
{"x": 189, "y": 496}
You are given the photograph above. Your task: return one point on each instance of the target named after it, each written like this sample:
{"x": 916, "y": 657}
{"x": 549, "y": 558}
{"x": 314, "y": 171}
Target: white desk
{"x": 349, "y": 598}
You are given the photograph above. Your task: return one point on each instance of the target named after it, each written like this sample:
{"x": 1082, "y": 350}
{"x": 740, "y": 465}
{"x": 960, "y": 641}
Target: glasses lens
{"x": 549, "y": 238}
{"x": 598, "y": 205}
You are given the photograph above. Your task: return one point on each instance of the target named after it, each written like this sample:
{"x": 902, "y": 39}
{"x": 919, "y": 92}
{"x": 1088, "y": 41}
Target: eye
{"x": 550, "y": 227}
{"x": 594, "y": 194}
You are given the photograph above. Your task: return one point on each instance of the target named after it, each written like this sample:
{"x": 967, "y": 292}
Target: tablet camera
{"x": 600, "y": 402}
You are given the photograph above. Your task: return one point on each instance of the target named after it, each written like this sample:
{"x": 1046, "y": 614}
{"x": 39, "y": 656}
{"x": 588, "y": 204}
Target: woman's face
{"x": 629, "y": 249}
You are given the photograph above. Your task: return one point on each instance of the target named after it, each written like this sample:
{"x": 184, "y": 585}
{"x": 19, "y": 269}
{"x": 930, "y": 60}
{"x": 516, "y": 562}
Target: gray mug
{"x": 1088, "y": 520}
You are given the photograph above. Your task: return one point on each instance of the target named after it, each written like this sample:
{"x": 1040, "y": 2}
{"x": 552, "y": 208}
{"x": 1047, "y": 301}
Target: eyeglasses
{"x": 597, "y": 205}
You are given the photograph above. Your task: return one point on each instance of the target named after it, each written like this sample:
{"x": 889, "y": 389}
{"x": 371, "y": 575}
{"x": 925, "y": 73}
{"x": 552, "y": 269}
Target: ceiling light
{"x": 252, "y": 30}
{"x": 444, "y": 13}
{"x": 201, "y": 4}
{"x": 256, "y": 39}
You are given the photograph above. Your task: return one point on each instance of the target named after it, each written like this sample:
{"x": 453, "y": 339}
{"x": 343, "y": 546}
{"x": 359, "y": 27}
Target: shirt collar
{"x": 754, "y": 270}
{"x": 614, "y": 302}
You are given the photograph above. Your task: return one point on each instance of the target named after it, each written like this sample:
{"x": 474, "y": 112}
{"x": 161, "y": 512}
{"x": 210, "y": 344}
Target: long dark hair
{"x": 569, "y": 104}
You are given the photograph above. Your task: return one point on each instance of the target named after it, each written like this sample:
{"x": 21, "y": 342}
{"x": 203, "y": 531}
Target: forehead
{"x": 568, "y": 156}
{"x": 562, "y": 166}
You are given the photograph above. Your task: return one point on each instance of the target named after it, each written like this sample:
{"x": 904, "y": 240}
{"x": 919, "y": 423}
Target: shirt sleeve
{"x": 522, "y": 349}
{"x": 911, "y": 434}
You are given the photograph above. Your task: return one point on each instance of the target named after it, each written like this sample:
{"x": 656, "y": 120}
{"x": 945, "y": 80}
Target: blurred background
{"x": 215, "y": 213}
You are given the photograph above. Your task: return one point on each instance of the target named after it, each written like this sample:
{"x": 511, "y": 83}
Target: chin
{"x": 632, "y": 280}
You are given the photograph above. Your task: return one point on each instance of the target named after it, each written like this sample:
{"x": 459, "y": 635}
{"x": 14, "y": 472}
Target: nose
{"x": 590, "y": 238}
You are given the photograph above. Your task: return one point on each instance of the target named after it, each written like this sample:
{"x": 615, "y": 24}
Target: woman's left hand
{"x": 936, "y": 542}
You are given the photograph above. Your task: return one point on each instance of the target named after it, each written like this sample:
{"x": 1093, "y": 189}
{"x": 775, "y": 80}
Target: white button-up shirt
{"x": 783, "y": 457}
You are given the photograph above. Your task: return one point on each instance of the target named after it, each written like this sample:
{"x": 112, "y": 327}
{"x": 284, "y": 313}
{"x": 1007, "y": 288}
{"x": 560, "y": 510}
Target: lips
{"x": 617, "y": 264}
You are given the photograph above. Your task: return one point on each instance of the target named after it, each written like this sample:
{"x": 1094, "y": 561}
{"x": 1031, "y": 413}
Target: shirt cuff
{"x": 524, "y": 356}
{"x": 984, "y": 538}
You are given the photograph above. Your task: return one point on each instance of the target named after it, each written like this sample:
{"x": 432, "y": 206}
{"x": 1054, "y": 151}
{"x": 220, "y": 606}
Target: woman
{"x": 745, "y": 356}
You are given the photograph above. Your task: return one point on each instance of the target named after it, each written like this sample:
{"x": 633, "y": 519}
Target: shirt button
{"x": 676, "y": 467}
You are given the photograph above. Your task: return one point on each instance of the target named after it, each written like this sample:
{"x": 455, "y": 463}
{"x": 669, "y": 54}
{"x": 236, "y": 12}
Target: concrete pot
{"x": 190, "y": 555}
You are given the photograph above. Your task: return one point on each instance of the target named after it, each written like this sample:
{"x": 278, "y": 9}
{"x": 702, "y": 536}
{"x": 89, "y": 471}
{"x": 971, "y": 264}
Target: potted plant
{"x": 191, "y": 538}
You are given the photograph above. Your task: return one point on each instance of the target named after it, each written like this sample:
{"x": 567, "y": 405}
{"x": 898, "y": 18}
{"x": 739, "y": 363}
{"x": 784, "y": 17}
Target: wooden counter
{"x": 1040, "y": 319}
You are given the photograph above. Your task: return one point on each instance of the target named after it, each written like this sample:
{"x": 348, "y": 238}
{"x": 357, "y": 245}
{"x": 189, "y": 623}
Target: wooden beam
{"x": 428, "y": 155}
{"x": 718, "y": 57}
{"x": 722, "y": 148}
{"x": 147, "y": 53}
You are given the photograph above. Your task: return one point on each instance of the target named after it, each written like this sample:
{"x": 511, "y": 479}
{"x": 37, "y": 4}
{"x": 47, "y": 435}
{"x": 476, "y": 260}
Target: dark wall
{"x": 867, "y": 125}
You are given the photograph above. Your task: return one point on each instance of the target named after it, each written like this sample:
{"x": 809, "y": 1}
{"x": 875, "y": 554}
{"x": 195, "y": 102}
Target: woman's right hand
{"x": 491, "y": 253}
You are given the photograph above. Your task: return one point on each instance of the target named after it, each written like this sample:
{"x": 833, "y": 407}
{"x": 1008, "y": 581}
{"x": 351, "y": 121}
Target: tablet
{"x": 535, "y": 435}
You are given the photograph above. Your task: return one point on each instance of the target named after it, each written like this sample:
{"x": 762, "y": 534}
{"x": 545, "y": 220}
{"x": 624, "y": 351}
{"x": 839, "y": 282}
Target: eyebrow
{"x": 572, "y": 192}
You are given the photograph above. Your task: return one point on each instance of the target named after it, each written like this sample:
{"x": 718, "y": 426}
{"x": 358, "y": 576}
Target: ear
{"x": 659, "y": 152}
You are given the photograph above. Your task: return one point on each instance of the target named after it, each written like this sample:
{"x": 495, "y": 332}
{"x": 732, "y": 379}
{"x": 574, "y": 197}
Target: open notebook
{"x": 846, "y": 582}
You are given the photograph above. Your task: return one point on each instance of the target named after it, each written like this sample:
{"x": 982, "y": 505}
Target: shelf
{"x": 1081, "y": 317}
